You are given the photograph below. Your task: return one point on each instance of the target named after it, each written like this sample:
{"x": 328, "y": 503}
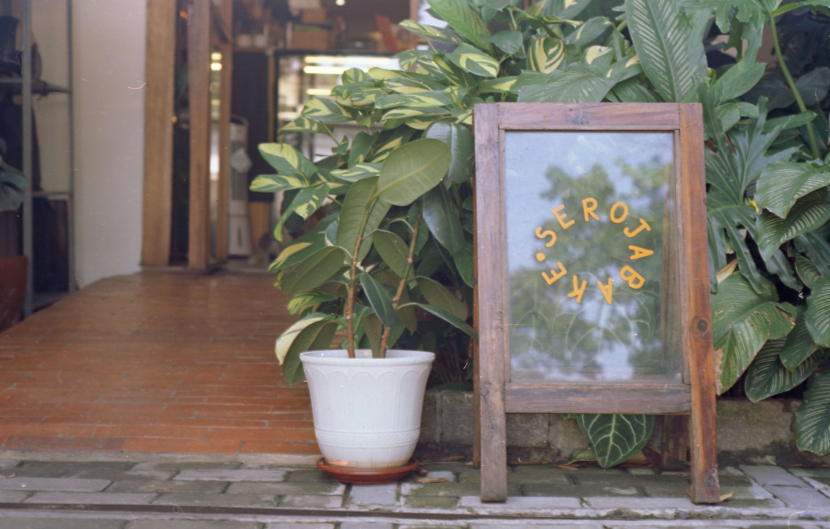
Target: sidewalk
{"x": 150, "y": 492}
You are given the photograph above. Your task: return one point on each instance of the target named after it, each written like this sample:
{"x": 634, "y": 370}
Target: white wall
{"x": 108, "y": 53}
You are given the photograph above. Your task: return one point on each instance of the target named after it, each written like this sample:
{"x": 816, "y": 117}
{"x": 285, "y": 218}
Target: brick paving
{"x": 159, "y": 494}
{"x": 160, "y": 361}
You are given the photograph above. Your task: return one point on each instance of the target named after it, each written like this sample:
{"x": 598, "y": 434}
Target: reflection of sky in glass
{"x": 553, "y": 336}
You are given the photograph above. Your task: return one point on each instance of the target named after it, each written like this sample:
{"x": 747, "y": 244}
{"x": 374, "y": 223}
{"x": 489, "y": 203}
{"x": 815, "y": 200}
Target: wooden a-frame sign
{"x": 592, "y": 274}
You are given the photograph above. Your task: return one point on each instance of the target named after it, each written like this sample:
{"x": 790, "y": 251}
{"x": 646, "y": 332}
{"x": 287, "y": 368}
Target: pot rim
{"x": 339, "y": 357}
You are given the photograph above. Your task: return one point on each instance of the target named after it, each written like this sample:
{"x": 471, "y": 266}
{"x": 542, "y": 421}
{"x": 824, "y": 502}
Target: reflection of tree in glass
{"x": 550, "y": 332}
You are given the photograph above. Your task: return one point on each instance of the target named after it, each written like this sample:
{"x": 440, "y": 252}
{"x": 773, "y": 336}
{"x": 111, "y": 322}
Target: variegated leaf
{"x": 302, "y": 124}
{"x": 447, "y": 36}
{"x": 767, "y": 376}
{"x": 287, "y": 160}
{"x": 463, "y": 19}
{"x": 812, "y": 420}
{"x": 287, "y": 338}
{"x": 799, "y": 344}
{"x": 455, "y": 75}
{"x": 783, "y": 182}
{"x": 381, "y": 74}
{"x": 406, "y": 85}
{"x": 272, "y": 183}
{"x": 358, "y": 172}
{"x": 588, "y": 31}
{"x": 496, "y": 86}
{"x": 615, "y": 438}
{"x": 474, "y": 61}
{"x": 407, "y": 113}
{"x": 817, "y": 316}
{"x": 388, "y": 142}
{"x": 354, "y": 75}
{"x": 807, "y": 271}
{"x": 306, "y": 300}
{"x": 418, "y": 100}
{"x": 307, "y": 201}
{"x": 806, "y": 215}
{"x": 577, "y": 83}
{"x": 327, "y": 111}
{"x": 545, "y": 54}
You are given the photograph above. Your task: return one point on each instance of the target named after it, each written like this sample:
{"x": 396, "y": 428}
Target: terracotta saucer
{"x": 367, "y": 476}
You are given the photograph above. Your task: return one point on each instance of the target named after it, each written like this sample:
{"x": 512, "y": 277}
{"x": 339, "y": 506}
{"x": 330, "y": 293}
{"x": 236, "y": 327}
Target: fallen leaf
{"x": 724, "y": 497}
{"x": 531, "y": 462}
{"x": 422, "y": 472}
{"x": 567, "y": 467}
{"x": 654, "y": 459}
{"x": 470, "y": 463}
{"x": 6, "y": 477}
{"x": 431, "y": 480}
{"x": 445, "y": 459}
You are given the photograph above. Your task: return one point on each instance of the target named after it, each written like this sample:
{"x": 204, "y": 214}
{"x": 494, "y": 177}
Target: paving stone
{"x": 207, "y": 487}
{"x": 801, "y": 497}
{"x": 538, "y": 474}
{"x": 308, "y": 501}
{"x": 309, "y": 475}
{"x": 443, "y": 489}
{"x": 8, "y": 463}
{"x": 120, "y": 472}
{"x": 578, "y": 491}
{"x": 430, "y": 502}
{"x": 549, "y": 526}
{"x": 96, "y": 498}
{"x": 191, "y": 524}
{"x": 53, "y": 484}
{"x": 753, "y": 492}
{"x": 216, "y": 500}
{"x": 44, "y": 469}
{"x": 320, "y": 489}
{"x": 421, "y": 526}
{"x": 433, "y": 474}
{"x": 20, "y": 521}
{"x": 382, "y": 494}
{"x": 13, "y": 496}
{"x": 817, "y": 473}
{"x": 176, "y": 466}
{"x": 605, "y": 502}
{"x": 230, "y": 475}
{"x": 354, "y": 524}
{"x": 518, "y": 503}
{"x": 770, "y": 475}
{"x": 285, "y": 525}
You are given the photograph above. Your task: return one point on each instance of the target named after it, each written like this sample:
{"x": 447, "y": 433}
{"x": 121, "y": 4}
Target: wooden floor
{"x": 154, "y": 362}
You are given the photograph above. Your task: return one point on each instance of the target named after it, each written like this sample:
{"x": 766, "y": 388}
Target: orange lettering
{"x": 639, "y": 252}
{"x": 556, "y": 275}
{"x": 614, "y": 218}
{"x": 577, "y": 293}
{"x": 643, "y": 226}
{"x": 589, "y": 210}
{"x": 547, "y": 233}
{"x": 606, "y": 290}
{"x": 631, "y": 277}
{"x": 561, "y": 217}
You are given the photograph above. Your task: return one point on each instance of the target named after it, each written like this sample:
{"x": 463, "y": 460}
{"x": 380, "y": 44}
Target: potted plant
{"x": 13, "y": 269}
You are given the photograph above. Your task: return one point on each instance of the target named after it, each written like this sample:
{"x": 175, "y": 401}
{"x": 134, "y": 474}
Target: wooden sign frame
{"x": 695, "y": 395}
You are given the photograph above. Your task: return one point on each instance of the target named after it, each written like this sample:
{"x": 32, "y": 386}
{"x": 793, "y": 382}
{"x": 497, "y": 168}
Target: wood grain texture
{"x": 158, "y": 132}
{"x": 475, "y": 344}
{"x": 225, "y": 89}
{"x": 588, "y": 116}
{"x": 598, "y": 398}
{"x": 675, "y": 442}
{"x": 492, "y": 313}
{"x": 199, "y": 22}
{"x": 696, "y": 312}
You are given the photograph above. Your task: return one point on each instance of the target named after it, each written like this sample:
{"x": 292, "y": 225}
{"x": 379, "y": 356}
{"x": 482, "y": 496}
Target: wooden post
{"x": 158, "y": 132}
{"x": 198, "y": 60}
{"x": 696, "y": 311}
{"x": 675, "y": 440}
{"x": 225, "y": 85}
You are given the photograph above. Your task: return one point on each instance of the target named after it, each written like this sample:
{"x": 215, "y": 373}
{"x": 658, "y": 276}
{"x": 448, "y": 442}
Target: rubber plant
{"x": 766, "y": 165}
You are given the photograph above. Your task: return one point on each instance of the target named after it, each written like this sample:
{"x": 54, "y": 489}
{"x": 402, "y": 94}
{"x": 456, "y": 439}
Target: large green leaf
{"x": 307, "y": 201}
{"x": 287, "y": 160}
{"x": 577, "y": 83}
{"x": 767, "y": 376}
{"x": 817, "y": 316}
{"x": 587, "y": 32}
{"x": 433, "y": 98}
{"x": 817, "y": 249}
{"x": 737, "y": 80}
{"x": 463, "y": 19}
{"x": 464, "y": 263}
{"x": 615, "y": 438}
{"x": 379, "y": 300}
{"x": 394, "y": 252}
{"x": 783, "y": 182}
{"x": 327, "y": 111}
{"x": 447, "y": 316}
{"x": 358, "y": 172}
{"x": 812, "y": 420}
{"x": 288, "y": 337}
{"x": 12, "y": 188}
{"x": 315, "y": 337}
{"x": 562, "y": 9}
{"x": 307, "y": 300}
{"x": 459, "y": 138}
{"x": 442, "y": 219}
{"x": 315, "y": 270}
{"x": 743, "y": 321}
{"x": 808, "y": 213}
{"x": 507, "y": 41}
{"x": 361, "y": 144}
{"x": 731, "y": 218}
{"x": 271, "y": 183}
{"x": 438, "y": 296}
{"x": 357, "y": 201}
{"x": 445, "y": 35}
{"x": 664, "y": 40}
{"x": 799, "y": 344}
{"x": 807, "y": 271}
{"x": 302, "y": 124}
{"x": 502, "y": 85}
{"x": 474, "y": 61}
{"x": 545, "y": 54}
{"x": 412, "y": 170}
{"x": 813, "y": 85}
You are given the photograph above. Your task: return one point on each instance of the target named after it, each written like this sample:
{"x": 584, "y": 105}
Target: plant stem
{"x": 384, "y": 343}
{"x": 353, "y": 276}
{"x": 801, "y": 106}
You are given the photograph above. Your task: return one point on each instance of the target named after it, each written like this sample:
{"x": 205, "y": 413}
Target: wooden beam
{"x": 225, "y": 86}
{"x": 198, "y": 60}
{"x": 220, "y": 19}
{"x": 158, "y": 132}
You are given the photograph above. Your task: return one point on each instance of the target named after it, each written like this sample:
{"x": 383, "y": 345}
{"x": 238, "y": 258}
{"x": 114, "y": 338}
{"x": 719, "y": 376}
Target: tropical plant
{"x": 367, "y": 266}
{"x": 12, "y": 185}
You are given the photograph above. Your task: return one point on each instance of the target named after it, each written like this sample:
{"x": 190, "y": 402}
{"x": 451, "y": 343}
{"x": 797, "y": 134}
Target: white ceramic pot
{"x": 367, "y": 411}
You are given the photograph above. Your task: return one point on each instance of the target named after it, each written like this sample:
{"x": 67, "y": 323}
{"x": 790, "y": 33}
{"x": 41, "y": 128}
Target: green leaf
{"x": 587, "y": 32}
{"x": 408, "y": 115}
{"x": 615, "y": 438}
{"x": 463, "y": 19}
{"x": 577, "y": 83}
{"x": 405, "y": 85}
{"x": 812, "y": 420}
{"x": 442, "y": 219}
{"x": 817, "y": 249}
{"x": 737, "y": 80}
{"x": 664, "y": 40}
{"x": 779, "y": 265}
{"x": 353, "y": 76}
{"x": 783, "y": 182}
{"x": 271, "y": 183}
{"x": 743, "y": 321}
{"x": 791, "y": 121}
{"x": 806, "y": 215}
{"x": 767, "y": 375}
{"x": 729, "y": 115}
{"x": 455, "y": 75}
{"x": 813, "y": 85}
{"x": 301, "y": 248}
{"x": 307, "y": 201}
{"x": 394, "y": 252}
{"x": 447, "y": 317}
{"x": 438, "y": 295}
{"x": 358, "y": 172}
{"x": 464, "y": 263}
{"x": 799, "y": 344}
{"x": 412, "y": 170}
{"x": 728, "y": 216}
{"x": 355, "y": 204}
{"x": 315, "y": 270}
{"x": 459, "y": 138}
{"x": 632, "y": 91}
{"x": 545, "y": 54}
{"x": 817, "y": 316}
{"x": 361, "y": 144}
{"x": 497, "y": 86}
{"x": 378, "y": 299}
{"x": 287, "y": 160}
{"x": 807, "y": 271}
{"x": 327, "y": 111}
{"x": 447, "y": 36}
{"x": 559, "y": 9}
{"x": 389, "y": 141}
{"x": 303, "y": 300}
{"x": 417, "y": 100}
{"x": 507, "y": 41}
{"x": 288, "y": 337}
{"x": 302, "y": 124}
{"x": 474, "y": 61}
{"x": 315, "y": 337}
